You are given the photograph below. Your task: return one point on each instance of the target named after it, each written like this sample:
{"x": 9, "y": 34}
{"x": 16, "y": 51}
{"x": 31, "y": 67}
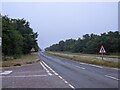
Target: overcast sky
{"x": 61, "y": 21}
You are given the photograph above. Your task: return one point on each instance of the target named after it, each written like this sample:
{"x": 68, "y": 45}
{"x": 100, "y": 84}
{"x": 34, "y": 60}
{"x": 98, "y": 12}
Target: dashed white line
{"x": 80, "y": 67}
{"x": 84, "y": 63}
{"x": 50, "y": 74}
{"x": 6, "y": 72}
{"x": 71, "y": 86}
{"x": 58, "y": 75}
{"x": 92, "y": 65}
{"x": 65, "y": 81}
{"x": 112, "y": 77}
{"x": 115, "y": 68}
{"x": 46, "y": 69}
{"x": 95, "y": 66}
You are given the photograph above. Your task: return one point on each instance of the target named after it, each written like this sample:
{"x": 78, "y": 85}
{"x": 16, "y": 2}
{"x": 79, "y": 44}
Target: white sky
{"x": 60, "y": 0}
{"x": 65, "y": 20}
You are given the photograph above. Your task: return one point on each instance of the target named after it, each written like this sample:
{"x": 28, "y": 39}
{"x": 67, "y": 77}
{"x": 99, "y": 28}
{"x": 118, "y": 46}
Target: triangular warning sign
{"x": 102, "y": 50}
{"x": 32, "y": 50}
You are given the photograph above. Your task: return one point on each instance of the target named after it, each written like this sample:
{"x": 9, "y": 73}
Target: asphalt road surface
{"x": 82, "y": 75}
{"x": 31, "y": 76}
{"x": 57, "y": 72}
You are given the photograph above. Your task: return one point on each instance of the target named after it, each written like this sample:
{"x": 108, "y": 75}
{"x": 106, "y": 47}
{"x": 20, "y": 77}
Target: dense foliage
{"x": 17, "y": 36}
{"x": 90, "y": 43}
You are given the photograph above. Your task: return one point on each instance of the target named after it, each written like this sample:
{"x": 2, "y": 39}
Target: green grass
{"x": 24, "y": 59}
{"x": 111, "y": 55}
{"x": 88, "y": 60}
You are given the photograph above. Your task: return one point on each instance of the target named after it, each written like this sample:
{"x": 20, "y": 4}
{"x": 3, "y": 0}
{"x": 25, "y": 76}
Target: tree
{"x": 18, "y": 37}
{"x": 90, "y": 43}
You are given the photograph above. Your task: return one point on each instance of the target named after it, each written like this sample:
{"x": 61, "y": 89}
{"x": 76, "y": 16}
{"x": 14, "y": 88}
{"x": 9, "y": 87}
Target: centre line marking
{"x": 46, "y": 69}
{"x": 112, "y": 77}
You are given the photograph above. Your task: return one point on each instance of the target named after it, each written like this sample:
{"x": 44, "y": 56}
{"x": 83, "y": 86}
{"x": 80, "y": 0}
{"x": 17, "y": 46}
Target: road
{"x": 57, "y": 72}
{"x": 31, "y": 76}
{"x": 82, "y": 75}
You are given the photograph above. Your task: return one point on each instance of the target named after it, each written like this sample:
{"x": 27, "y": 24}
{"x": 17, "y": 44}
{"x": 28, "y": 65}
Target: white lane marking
{"x": 80, "y": 67}
{"x": 95, "y": 66}
{"x": 6, "y": 72}
{"x": 58, "y": 75}
{"x": 46, "y": 69}
{"x": 65, "y": 81}
{"x": 92, "y": 65}
{"x": 112, "y": 77}
{"x": 71, "y": 86}
{"x": 115, "y": 68}
{"x": 27, "y": 76}
{"x": 84, "y": 63}
{"x": 50, "y": 74}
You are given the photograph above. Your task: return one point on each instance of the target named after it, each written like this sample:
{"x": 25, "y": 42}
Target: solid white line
{"x": 27, "y": 76}
{"x": 6, "y": 72}
{"x": 80, "y": 67}
{"x": 46, "y": 69}
{"x": 71, "y": 86}
{"x": 112, "y": 77}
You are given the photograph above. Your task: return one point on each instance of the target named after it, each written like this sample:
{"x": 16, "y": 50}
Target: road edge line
{"x": 59, "y": 76}
{"x": 46, "y": 69}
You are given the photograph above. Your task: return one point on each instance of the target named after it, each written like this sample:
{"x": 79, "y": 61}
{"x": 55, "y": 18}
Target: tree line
{"x": 90, "y": 43}
{"x": 17, "y": 37}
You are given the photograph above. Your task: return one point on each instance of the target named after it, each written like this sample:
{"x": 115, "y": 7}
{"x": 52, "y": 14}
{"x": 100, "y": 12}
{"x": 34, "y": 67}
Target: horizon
{"x": 61, "y": 21}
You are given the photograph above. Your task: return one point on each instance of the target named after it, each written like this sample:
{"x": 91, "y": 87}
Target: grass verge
{"x": 25, "y": 59}
{"x": 100, "y": 62}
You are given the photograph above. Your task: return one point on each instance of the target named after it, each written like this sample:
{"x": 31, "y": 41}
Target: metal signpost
{"x": 102, "y": 51}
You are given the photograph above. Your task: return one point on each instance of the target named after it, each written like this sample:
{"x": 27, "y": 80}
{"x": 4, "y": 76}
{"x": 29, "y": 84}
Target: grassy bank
{"x": 88, "y": 60}
{"x": 110, "y": 55}
{"x": 24, "y": 59}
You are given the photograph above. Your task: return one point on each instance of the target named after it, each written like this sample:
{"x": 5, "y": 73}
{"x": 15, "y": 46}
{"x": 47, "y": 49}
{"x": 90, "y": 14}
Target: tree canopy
{"x": 90, "y": 43}
{"x": 17, "y": 36}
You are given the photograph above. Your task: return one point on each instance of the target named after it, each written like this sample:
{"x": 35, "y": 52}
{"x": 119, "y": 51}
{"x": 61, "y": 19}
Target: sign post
{"x": 102, "y": 51}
